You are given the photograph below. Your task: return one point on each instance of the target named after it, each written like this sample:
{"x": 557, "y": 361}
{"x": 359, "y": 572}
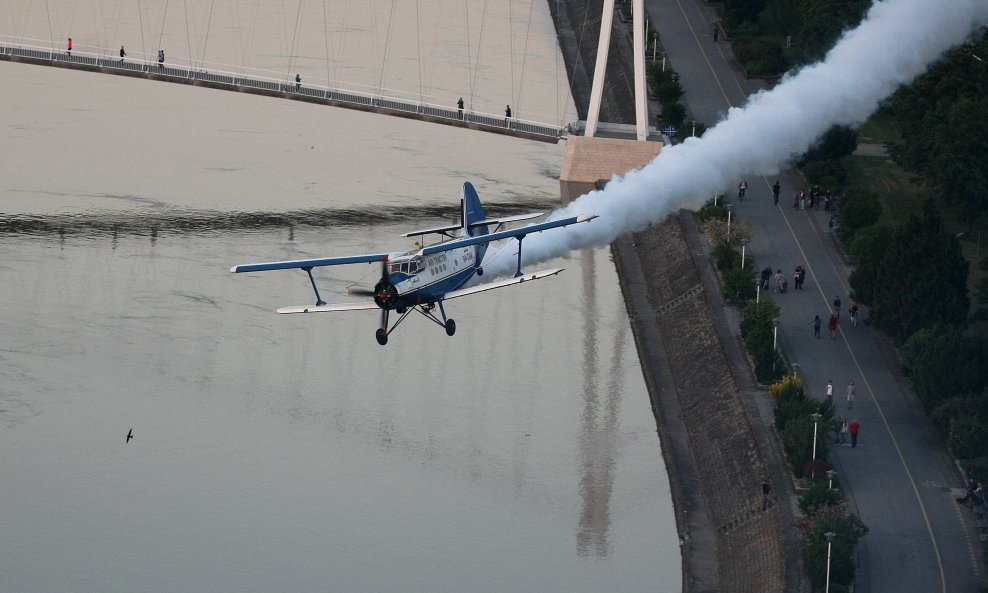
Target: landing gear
{"x": 450, "y": 326}
{"x": 480, "y": 271}
{"x": 382, "y": 336}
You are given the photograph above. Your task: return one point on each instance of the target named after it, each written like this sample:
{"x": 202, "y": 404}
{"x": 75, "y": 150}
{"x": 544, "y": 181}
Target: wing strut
{"x": 319, "y": 301}
{"x": 518, "y": 271}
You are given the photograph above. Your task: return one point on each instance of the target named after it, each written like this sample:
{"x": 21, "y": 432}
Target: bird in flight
{"x": 130, "y": 434}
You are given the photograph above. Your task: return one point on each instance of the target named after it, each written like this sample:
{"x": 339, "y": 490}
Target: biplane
{"x": 424, "y": 278}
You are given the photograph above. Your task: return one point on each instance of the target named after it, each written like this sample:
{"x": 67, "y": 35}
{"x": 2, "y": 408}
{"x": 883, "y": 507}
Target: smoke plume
{"x": 895, "y": 43}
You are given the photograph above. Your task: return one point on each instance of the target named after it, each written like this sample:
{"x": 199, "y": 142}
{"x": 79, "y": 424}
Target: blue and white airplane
{"x": 421, "y": 279}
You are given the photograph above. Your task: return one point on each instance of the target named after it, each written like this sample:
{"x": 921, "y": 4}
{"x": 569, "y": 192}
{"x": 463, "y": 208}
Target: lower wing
{"x": 502, "y": 283}
{"x": 449, "y": 295}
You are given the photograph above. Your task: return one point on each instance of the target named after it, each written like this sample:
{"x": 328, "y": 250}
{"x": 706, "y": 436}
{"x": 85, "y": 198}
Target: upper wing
{"x": 502, "y": 283}
{"x": 532, "y": 228}
{"x": 506, "y": 219}
{"x": 329, "y": 308}
{"x": 311, "y": 263}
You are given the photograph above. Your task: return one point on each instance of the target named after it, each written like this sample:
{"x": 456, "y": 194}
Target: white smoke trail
{"x": 894, "y": 44}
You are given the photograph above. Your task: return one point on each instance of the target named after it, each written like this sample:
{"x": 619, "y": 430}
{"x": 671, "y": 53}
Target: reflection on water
{"x": 293, "y": 453}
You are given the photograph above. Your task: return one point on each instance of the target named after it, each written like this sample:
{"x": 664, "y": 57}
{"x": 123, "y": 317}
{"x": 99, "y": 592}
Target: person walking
{"x": 775, "y": 193}
{"x": 830, "y": 391}
{"x": 843, "y": 432}
{"x": 837, "y": 306}
{"x": 853, "y": 311}
{"x": 507, "y": 114}
{"x": 854, "y": 428}
{"x": 459, "y": 105}
{"x": 778, "y": 281}
{"x": 123, "y": 54}
{"x": 298, "y": 81}
{"x": 161, "y": 58}
{"x": 850, "y": 395}
{"x": 716, "y": 31}
{"x": 832, "y": 327}
{"x": 797, "y": 278}
{"x": 816, "y": 326}
{"x": 69, "y": 47}
{"x": 766, "y": 277}
{"x": 742, "y": 188}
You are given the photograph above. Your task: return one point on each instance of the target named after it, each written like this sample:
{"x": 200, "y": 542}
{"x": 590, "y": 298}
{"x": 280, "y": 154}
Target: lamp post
{"x": 816, "y": 419}
{"x": 694, "y": 128}
{"x": 830, "y": 535}
{"x": 730, "y": 209}
{"x": 775, "y": 334}
{"x": 831, "y": 474}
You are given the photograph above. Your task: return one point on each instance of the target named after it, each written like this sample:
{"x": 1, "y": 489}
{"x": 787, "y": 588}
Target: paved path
{"x": 898, "y": 478}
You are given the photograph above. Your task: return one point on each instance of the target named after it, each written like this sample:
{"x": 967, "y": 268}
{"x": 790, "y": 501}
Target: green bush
{"x": 820, "y": 496}
{"x": 858, "y": 209}
{"x": 664, "y": 84}
{"x": 830, "y": 175}
{"x": 761, "y": 57}
{"x": 837, "y": 143}
{"x": 739, "y": 283}
{"x": 848, "y": 529}
{"x": 673, "y": 113}
{"x": 713, "y": 212}
{"x": 757, "y": 331}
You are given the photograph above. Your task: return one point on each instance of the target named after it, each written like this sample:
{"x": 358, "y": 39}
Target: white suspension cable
{"x": 387, "y": 44}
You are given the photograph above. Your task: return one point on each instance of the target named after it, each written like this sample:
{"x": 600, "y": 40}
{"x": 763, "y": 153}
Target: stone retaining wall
{"x": 726, "y": 469}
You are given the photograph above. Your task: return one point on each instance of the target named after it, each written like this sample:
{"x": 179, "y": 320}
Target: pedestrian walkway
{"x": 899, "y": 476}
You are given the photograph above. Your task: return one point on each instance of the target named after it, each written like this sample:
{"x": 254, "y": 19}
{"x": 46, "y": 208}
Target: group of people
{"x": 846, "y": 433}
{"x": 809, "y": 201}
{"x": 507, "y": 110}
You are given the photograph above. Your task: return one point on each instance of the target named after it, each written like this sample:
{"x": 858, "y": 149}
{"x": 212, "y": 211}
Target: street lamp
{"x": 830, "y": 535}
{"x": 694, "y": 128}
{"x": 795, "y": 370}
{"x": 775, "y": 334}
{"x": 730, "y": 209}
{"x": 831, "y": 474}
{"x": 816, "y": 419}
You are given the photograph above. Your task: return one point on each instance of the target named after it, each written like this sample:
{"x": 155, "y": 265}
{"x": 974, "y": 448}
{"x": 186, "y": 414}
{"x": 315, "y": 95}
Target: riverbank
{"x": 718, "y": 446}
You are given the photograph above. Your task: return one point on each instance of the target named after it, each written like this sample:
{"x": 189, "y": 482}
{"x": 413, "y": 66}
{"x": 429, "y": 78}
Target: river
{"x": 293, "y": 452}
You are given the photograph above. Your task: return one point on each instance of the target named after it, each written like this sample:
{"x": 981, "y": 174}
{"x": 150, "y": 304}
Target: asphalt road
{"x": 898, "y": 478}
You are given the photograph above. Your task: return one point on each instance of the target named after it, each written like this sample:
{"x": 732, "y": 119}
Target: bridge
{"x": 261, "y": 82}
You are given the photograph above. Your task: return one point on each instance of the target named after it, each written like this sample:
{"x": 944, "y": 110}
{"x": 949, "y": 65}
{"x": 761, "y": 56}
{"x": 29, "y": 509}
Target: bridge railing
{"x": 266, "y": 80}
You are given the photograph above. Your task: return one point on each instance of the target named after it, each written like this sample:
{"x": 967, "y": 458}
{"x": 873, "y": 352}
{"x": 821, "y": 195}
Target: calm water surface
{"x": 292, "y": 453}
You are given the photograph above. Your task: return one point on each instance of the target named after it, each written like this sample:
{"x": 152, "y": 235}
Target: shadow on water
{"x": 194, "y": 221}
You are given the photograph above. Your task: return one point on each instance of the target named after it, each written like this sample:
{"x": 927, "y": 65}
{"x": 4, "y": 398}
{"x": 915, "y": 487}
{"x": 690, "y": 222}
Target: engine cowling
{"x": 385, "y": 294}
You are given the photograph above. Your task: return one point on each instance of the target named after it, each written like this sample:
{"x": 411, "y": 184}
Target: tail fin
{"x": 473, "y": 211}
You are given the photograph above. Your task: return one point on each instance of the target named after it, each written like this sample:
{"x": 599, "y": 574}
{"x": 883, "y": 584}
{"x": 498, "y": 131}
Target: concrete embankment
{"x": 715, "y": 458}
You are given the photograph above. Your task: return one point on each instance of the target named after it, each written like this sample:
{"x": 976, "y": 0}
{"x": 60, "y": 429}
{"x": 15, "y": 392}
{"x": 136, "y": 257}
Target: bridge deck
{"x": 348, "y": 99}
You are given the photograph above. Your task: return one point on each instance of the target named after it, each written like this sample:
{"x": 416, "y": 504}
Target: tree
{"x": 837, "y": 143}
{"x": 919, "y": 280}
{"x": 848, "y": 529}
{"x": 757, "y": 330}
{"x": 859, "y": 209}
{"x": 868, "y": 250}
{"x": 942, "y": 362}
{"x": 943, "y": 111}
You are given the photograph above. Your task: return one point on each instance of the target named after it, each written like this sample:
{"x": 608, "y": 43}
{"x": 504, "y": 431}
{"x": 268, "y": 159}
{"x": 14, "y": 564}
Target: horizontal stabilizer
{"x": 311, "y": 263}
{"x": 502, "y": 283}
{"x": 505, "y": 220}
{"x": 329, "y": 308}
{"x": 525, "y": 230}
{"x": 439, "y": 230}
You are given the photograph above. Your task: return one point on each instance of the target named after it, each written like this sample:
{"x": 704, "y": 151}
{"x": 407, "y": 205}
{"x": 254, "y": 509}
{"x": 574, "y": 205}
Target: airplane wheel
{"x": 480, "y": 271}
{"x": 382, "y": 336}
{"x": 450, "y": 327}
{"x": 400, "y": 310}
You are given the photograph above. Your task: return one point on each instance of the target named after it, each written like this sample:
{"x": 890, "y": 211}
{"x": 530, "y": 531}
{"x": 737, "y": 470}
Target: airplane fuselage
{"x": 426, "y": 279}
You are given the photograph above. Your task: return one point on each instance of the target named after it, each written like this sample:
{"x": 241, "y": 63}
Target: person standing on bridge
{"x": 298, "y": 81}
{"x": 69, "y": 50}
{"x": 507, "y": 114}
{"x": 123, "y": 54}
{"x": 459, "y": 105}
{"x": 161, "y": 58}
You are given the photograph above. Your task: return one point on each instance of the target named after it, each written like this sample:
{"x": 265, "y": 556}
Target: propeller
{"x": 367, "y": 292}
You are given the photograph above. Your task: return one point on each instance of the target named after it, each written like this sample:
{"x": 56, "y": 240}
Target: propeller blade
{"x": 361, "y": 292}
